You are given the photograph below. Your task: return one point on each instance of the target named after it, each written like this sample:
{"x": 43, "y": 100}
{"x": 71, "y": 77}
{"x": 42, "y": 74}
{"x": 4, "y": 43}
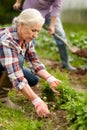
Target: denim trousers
{"x": 60, "y": 44}
{"x": 31, "y": 78}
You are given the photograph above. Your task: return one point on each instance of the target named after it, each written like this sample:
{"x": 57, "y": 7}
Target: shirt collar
{"x": 13, "y": 31}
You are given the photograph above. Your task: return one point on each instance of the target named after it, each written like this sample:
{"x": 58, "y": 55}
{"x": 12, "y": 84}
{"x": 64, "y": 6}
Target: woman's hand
{"x": 53, "y": 84}
{"x": 41, "y": 108}
{"x": 51, "y": 30}
{"x": 17, "y": 5}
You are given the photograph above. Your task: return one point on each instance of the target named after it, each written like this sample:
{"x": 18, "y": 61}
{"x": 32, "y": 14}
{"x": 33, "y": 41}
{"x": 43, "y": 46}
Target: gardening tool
{"x": 82, "y": 52}
{"x": 72, "y": 49}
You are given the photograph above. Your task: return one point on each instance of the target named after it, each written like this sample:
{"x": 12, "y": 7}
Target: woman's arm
{"x": 53, "y": 82}
{"x": 40, "y": 107}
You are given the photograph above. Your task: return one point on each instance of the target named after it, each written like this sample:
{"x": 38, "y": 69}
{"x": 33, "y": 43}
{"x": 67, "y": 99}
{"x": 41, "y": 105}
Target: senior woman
{"x": 15, "y": 46}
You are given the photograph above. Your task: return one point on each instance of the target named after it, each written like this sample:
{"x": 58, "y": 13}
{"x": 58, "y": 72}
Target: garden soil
{"x": 82, "y": 53}
{"x": 58, "y": 117}
{"x": 76, "y": 77}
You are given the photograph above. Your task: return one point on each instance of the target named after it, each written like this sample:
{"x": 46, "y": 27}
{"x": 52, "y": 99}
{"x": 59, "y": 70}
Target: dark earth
{"x": 60, "y": 116}
{"x": 82, "y": 53}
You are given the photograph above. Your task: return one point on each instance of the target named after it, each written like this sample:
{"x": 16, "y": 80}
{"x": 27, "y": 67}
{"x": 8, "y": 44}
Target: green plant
{"x": 47, "y": 92}
{"x": 76, "y": 106}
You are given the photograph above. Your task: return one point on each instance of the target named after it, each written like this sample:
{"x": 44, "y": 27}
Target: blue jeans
{"x": 31, "y": 78}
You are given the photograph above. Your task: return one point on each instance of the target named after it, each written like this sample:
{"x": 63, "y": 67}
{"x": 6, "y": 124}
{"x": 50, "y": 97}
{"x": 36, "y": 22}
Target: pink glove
{"x": 54, "y": 83}
{"x": 40, "y": 107}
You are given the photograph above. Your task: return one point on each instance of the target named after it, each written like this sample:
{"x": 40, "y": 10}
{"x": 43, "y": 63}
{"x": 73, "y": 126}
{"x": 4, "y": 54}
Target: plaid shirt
{"x": 9, "y": 51}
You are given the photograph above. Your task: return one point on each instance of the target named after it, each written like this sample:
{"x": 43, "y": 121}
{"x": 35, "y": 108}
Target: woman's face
{"x": 29, "y": 32}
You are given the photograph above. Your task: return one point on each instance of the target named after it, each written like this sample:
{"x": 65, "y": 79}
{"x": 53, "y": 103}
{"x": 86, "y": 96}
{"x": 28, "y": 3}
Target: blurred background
{"x": 71, "y": 12}
{"x": 74, "y": 11}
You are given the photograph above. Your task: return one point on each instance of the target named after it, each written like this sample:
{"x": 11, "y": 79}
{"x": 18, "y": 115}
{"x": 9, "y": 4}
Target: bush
{"x": 6, "y": 11}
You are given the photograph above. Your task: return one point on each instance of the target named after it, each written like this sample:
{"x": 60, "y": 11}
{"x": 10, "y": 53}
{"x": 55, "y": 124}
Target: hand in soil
{"x": 54, "y": 85}
{"x": 41, "y": 108}
{"x": 55, "y": 91}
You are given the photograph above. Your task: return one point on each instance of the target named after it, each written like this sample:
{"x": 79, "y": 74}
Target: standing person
{"x": 15, "y": 46}
{"x": 50, "y": 9}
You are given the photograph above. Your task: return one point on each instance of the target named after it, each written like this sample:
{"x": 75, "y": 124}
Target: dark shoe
{"x": 69, "y": 68}
{"x": 64, "y": 57}
{"x": 8, "y": 103}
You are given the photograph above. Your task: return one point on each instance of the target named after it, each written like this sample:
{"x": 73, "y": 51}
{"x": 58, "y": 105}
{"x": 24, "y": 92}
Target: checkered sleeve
{"x": 32, "y": 58}
{"x": 9, "y": 60}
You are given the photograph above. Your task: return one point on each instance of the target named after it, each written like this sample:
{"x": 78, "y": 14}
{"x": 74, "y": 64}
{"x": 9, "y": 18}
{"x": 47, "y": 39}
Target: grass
{"x": 26, "y": 119}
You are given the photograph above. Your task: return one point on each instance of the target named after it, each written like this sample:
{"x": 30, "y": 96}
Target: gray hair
{"x": 29, "y": 15}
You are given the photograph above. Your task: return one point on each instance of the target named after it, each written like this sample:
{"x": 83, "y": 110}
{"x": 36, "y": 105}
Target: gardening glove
{"x": 53, "y": 84}
{"x": 40, "y": 107}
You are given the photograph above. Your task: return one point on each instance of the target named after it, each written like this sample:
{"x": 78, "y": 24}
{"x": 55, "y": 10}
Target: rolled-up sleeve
{"x": 56, "y": 7}
{"x": 32, "y": 58}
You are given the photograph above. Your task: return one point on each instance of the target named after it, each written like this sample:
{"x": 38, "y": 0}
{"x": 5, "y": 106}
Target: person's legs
{"x": 61, "y": 46}
{"x": 5, "y": 86}
{"x": 31, "y": 78}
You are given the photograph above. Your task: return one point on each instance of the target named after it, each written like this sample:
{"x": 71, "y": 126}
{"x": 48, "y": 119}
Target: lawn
{"x": 68, "y": 112}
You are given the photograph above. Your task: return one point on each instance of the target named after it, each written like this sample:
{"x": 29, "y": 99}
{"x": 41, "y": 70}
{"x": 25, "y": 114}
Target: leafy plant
{"x": 76, "y": 106}
{"x": 47, "y": 93}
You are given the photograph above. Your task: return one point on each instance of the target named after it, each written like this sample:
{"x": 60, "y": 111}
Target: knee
{"x": 34, "y": 81}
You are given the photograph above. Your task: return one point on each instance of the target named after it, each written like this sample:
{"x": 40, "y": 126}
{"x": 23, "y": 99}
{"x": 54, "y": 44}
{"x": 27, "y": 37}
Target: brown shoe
{"x": 8, "y": 103}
